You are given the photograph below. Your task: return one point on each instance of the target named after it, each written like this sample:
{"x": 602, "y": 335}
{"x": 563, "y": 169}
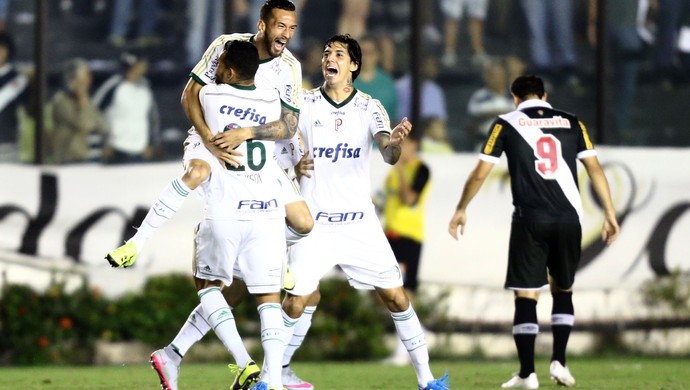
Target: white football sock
{"x": 167, "y": 204}
{"x": 193, "y": 330}
{"x": 219, "y": 316}
{"x": 297, "y": 333}
{"x": 411, "y": 333}
{"x": 273, "y": 341}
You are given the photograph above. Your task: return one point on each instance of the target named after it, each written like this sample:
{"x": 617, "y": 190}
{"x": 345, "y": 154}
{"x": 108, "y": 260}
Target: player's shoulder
{"x": 565, "y": 114}
{"x": 311, "y": 95}
{"x": 289, "y": 59}
{"x": 223, "y": 38}
{"x": 365, "y": 102}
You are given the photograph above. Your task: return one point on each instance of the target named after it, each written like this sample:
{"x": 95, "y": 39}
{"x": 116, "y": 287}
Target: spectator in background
{"x": 353, "y": 17}
{"x": 206, "y": 22}
{"x": 4, "y": 14}
{"x": 78, "y": 126}
{"x": 433, "y": 99}
{"x": 435, "y": 138}
{"x": 515, "y": 67}
{"x": 312, "y": 51}
{"x": 552, "y": 41}
{"x": 626, "y": 48}
{"x": 13, "y": 93}
{"x": 489, "y": 101}
{"x": 372, "y": 79}
{"x": 127, "y": 101}
{"x": 476, "y": 14}
{"x": 406, "y": 189}
{"x": 669, "y": 18}
{"x": 147, "y": 18}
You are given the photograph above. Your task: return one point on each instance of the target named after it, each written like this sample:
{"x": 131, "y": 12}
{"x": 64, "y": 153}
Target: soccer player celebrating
{"x": 279, "y": 70}
{"x": 542, "y": 145}
{"x": 233, "y": 229}
{"x": 338, "y": 125}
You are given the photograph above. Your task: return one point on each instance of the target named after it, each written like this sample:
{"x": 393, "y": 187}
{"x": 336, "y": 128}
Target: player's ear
{"x": 261, "y": 26}
{"x": 229, "y": 76}
{"x": 353, "y": 66}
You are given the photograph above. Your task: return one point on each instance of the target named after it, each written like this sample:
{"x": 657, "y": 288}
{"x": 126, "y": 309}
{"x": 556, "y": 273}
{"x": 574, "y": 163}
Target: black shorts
{"x": 407, "y": 252}
{"x": 538, "y": 248}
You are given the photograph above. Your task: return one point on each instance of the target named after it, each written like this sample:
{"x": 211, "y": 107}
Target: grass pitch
{"x": 628, "y": 373}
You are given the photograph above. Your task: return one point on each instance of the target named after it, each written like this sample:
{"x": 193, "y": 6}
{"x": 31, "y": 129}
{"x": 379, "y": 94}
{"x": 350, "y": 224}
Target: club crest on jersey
{"x": 338, "y": 123}
{"x": 246, "y": 113}
{"x": 340, "y": 151}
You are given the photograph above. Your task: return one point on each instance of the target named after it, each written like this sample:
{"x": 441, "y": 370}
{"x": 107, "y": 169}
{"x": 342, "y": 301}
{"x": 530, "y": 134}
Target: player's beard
{"x": 269, "y": 43}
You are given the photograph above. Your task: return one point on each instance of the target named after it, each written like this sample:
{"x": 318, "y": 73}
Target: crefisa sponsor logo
{"x": 341, "y": 151}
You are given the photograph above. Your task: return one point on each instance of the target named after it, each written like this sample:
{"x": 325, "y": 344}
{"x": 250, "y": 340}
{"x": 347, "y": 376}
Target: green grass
{"x": 627, "y": 373}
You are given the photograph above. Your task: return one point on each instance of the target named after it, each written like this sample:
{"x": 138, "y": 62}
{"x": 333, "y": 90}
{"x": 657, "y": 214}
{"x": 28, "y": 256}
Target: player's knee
{"x": 203, "y": 283}
{"x": 197, "y": 172}
{"x": 293, "y": 305}
{"x": 235, "y": 293}
{"x": 314, "y": 298}
{"x": 395, "y": 299}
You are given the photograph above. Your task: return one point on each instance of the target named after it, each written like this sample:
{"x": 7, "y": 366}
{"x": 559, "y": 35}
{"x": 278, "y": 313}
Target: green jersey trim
{"x": 333, "y": 103}
{"x": 196, "y": 78}
{"x": 289, "y": 107}
{"x": 244, "y": 87}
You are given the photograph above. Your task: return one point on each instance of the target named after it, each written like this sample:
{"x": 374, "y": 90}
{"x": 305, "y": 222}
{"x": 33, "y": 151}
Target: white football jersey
{"x": 283, "y": 73}
{"x": 252, "y": 190}
{"x": 339, "y": 137}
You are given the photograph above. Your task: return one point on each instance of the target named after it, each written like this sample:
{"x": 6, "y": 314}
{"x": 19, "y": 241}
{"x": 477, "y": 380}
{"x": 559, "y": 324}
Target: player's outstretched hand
{"x": 400, "y": 132}
{"x": 459, "y": 219}
{"x": 304, "y": 165}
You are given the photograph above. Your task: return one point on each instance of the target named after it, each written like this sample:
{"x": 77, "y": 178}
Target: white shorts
{"x": 476, "y": 9}
{"x": 258, "y": 247}
{"x": 194, "y": 149}
{"x": 360, "y": 249}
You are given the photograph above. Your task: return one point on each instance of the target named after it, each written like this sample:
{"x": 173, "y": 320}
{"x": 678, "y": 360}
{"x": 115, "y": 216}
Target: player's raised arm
{"x": 389, "y": 145}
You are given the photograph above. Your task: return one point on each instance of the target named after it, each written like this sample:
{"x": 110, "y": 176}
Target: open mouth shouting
{"x": 279, "y": 45}
{"x": 330, "y": 71}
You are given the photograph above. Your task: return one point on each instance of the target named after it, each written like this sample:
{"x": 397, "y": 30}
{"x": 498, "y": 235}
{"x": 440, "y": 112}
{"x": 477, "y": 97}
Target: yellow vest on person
{"x": 401, "y": 219}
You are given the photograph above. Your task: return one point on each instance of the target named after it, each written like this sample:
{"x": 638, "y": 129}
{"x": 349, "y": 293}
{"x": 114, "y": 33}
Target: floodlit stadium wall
{"x": 58, "y": 222}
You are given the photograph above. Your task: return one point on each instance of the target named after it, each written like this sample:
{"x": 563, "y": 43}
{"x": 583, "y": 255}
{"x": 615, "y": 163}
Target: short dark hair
{"x": 524, "y": 86}
{"x": 242, "y": 57}
{"x": 353, "y": 50}
{"x": 270, "y": 5}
